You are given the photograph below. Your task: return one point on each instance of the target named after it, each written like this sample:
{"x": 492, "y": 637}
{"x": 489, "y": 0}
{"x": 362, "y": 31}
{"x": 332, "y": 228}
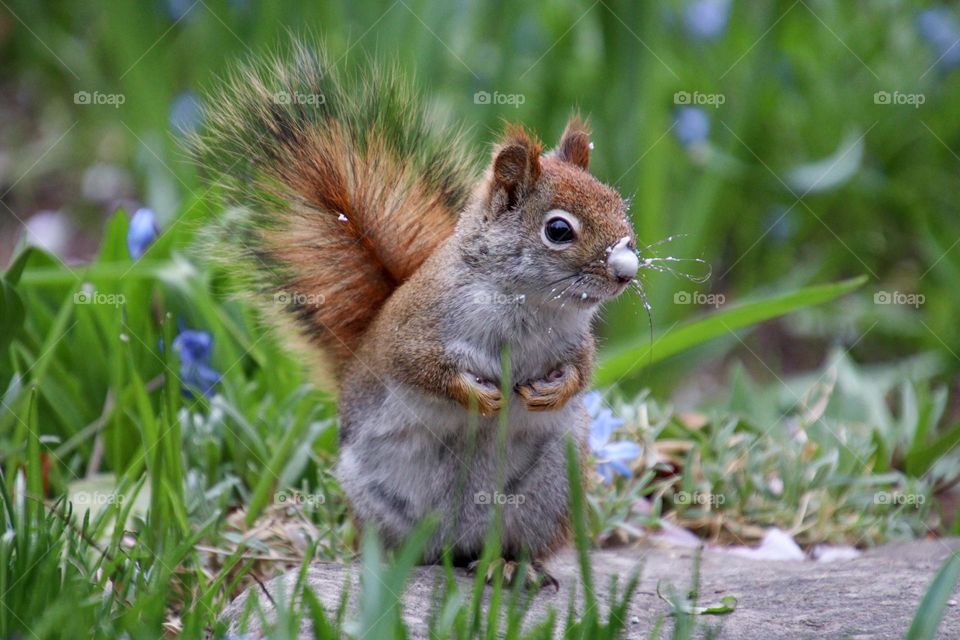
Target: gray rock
{"x": 870, "y": 597}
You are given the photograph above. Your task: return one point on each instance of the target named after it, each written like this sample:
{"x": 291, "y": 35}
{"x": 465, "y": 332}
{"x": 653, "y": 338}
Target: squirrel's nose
{"x": 622, "y": 261}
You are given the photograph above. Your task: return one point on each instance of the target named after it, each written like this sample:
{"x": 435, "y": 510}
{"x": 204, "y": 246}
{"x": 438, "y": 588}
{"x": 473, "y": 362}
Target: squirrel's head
{"x": 544, "y": 227}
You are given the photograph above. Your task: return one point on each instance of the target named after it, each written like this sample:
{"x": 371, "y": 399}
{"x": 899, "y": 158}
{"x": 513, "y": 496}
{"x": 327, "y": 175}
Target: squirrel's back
{"x": 338, "y": 188}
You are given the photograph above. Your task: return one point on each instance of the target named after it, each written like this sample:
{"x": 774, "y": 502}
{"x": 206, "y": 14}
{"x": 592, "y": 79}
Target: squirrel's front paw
{"x": 553, "y": 392}
{"x": 471, "y": 391}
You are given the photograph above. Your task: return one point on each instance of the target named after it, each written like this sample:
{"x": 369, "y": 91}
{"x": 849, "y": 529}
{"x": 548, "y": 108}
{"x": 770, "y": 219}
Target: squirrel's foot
{"x": 553, "y": 392}
{"x": 473, "y": 390}
{"x": 535, "y": 577}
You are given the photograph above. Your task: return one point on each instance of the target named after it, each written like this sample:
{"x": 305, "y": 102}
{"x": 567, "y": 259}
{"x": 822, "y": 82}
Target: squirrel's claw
{"x": 553, "y": 392}
{"x": 473, "y": 391}
{"x": 535, "y": 577}
{"x": 541, "y": 577}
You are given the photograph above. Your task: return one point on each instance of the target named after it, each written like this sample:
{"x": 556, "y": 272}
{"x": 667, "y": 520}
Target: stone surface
{"x": 872, "y": 596}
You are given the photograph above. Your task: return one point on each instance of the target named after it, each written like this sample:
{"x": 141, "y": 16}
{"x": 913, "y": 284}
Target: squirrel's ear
{"x": 575, "y": 144}
{"x": 516, "y": 167}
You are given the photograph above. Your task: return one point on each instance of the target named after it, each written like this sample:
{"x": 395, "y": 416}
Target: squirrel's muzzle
{"x": 622, "y": 262}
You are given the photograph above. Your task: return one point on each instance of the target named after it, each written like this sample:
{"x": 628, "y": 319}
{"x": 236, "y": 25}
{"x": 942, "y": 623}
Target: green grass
{"x": 187, "y": 495}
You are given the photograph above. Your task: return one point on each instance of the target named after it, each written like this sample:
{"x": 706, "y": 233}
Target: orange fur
{"x": 368, "y": 220}
{"x": 574, "y": 146}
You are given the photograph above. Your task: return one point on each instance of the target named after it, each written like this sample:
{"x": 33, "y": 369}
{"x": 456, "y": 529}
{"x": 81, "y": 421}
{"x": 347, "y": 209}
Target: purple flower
{"x": 706, "y": 19}
{"x": 142, "y": 232}
{"x": 691, "y": 126}
{"x": 940, "y": 28}
{"x": 195, "y": 348}
{"x": 612, "y": 457}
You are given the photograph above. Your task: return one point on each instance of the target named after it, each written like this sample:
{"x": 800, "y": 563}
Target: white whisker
{"x": 660, "y": 242}
{"x": 656, "y": 263}
{"x": 637, "y": 286}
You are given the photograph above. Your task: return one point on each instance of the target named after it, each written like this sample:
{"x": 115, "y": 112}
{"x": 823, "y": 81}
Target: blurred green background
{"x": 787, "y": 168}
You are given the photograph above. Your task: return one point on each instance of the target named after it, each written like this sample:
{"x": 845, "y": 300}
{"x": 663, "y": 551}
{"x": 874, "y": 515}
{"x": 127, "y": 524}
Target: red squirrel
{"x": 403, "y": 273}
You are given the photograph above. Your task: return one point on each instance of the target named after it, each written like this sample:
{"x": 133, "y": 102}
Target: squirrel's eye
{"x": 558, "y": 231}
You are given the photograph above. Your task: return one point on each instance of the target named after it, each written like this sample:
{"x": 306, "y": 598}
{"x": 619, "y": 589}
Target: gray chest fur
{"x": 421, "y": 453}
{"x": 486, "y": 321}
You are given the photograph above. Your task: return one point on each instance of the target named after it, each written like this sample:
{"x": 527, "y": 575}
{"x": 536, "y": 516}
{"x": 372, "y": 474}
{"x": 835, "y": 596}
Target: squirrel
{"x": 401, "y": 271}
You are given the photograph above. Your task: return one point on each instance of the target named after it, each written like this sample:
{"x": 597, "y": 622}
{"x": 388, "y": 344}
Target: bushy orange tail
{"x": 338, "y": 189}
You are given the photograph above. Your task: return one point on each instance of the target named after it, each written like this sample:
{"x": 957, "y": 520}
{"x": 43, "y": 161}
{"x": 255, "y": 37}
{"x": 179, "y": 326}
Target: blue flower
{"x": 706, "y": 19}
{"x": 195, "y": 348}
{"x": 177, "y": 10}
{"x": 691, "y": 126}
{"x": 781, "y": 224}
{"x": 200, "y": 377}
{"x": 142, "y": 232}
{"x": 193, "y": 345}
{"x": 612, "y": 457}
{"x": 186, "y": 113}
{"x": 940, "y": 28}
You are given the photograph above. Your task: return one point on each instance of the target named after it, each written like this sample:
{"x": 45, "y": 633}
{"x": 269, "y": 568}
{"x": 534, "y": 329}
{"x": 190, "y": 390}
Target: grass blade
{"x": 934, "y": 602}
{"x": 634, "y": 358}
